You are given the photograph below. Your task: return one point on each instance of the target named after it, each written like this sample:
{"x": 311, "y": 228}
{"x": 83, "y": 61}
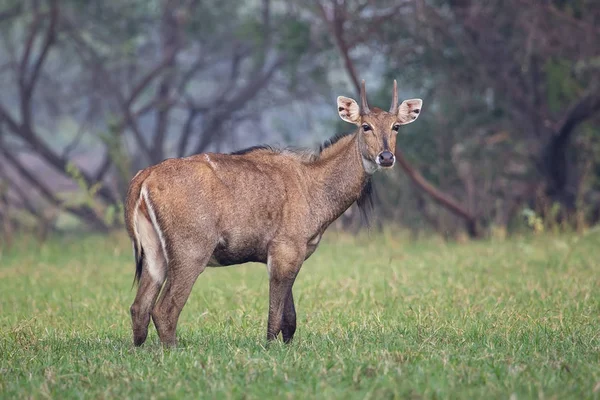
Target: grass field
{"x": 378, "y": 317}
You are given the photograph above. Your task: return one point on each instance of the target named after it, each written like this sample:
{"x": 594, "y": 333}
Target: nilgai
{"x": 260, "y": 204}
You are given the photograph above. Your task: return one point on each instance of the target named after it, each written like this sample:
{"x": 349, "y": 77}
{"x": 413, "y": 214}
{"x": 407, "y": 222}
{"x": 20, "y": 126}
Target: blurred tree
{"x": 26, "y": 60}
{"x": 164, "y": 78}
{"x": 352, "y": 24}
{"x": 511, "y": 84}
{"x": 541, "y": 59}
{"x": 94, "y": 91}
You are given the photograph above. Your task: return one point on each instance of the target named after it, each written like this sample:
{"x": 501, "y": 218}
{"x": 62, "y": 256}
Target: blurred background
{"x": 509, "y": 138}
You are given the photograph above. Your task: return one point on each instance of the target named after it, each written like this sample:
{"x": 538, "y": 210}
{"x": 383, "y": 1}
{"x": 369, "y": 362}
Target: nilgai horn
{"x": 260, "y": 204}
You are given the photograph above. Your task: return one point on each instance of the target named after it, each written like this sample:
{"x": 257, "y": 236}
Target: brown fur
{"x": 263, "y": 205}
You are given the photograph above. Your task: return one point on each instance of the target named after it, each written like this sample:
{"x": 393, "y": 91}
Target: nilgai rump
{"x": 260, "y": 204}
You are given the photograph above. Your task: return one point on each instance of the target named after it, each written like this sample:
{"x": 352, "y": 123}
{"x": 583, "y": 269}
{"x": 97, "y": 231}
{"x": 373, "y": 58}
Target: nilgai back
{"x": 260, "y": 204}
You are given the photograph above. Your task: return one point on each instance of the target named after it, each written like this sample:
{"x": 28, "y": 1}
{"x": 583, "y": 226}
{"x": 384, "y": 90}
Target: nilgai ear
{"x": 348, "y": 110}
{"x": 409, "y": 111}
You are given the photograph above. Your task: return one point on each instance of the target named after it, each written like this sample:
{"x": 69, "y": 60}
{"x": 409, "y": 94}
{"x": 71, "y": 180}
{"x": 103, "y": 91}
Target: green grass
{"x": 378, "y": 317}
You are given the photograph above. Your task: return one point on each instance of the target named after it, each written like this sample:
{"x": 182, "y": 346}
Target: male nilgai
{"x": 260, "y": 204}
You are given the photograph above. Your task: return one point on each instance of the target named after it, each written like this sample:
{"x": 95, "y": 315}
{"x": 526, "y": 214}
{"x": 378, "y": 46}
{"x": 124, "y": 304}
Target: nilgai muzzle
{"x": 260, "y": 204}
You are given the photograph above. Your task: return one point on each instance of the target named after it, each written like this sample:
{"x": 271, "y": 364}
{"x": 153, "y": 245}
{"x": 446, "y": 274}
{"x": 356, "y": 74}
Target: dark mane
{"x": 331, "y": 141}
{"x": 365, "y": 200}
{"x": 294, "y": 150}
{"x": 254, "y": 148}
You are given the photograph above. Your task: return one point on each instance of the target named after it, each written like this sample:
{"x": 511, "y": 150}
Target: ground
{"x": 379, "y": 316}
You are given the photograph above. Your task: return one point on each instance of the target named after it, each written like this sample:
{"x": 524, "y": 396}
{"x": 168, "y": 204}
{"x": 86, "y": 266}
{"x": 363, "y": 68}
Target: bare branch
{"x": 24, "y": 63}
{"x": 103, "y": 168}
{"x": 336, "y": 28}
{"x": 501, "y": 80}
{"x": 186, "y": 132}
{"x": 74, "y": 143}
{"x": 11, "y": 12}
{"x": 578, "y": 23}
{"x": 171, "y": 44}
{"x": 126, "y": 102}
{"x": 48, "y": 41}
{"x": 254, "y": 85}
{"x": 58, "y": 162}
{"x": 246, "y": 94}
{"x": 83, "y": 212}
{"x": 440, "y": 197}
{"x": 28, "y": 80}
{"x": 10, "y": 121}
{"x": 579, "y": 112}
{"x": 149, "y": 77}
{"x": 25, "y": 201}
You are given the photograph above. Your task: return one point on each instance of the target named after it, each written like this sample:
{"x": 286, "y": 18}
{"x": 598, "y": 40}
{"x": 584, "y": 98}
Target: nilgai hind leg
{"x": 142, "y": 306}
{"x": 151, "y": 279}
{"x": 182, "y": 273}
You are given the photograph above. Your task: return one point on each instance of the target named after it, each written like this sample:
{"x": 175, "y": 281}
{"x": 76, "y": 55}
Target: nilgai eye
{"x": 396, "y": 127}
{"x": 366, "y": 128}
{"x": 340, "y": 108}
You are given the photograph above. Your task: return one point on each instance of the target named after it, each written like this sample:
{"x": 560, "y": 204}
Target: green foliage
{"x": 250, "y": 29}
{"x": 112, "y": 214}
{"x": 216, "y": 18}
{"x": 116, "y": 149}
{"x": 87, "y": 193}
{"x": 377, "y": 318}
{"x": 535, "y": 222}
{"x": 575, "y": 8}
{"x": 562, "y": 87}
{"x": 481, "y": 70}
{"x": 115, "y": 29}
{"x": 293, "y": 39}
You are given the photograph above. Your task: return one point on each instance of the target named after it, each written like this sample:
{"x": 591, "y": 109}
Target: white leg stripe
{"x": 154, "y": 261}
{"x": 144, "y": 193}
{"x": 135, "y": 225}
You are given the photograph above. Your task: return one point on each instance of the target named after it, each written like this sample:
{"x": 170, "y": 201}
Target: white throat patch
{"x": 369, "y": 166}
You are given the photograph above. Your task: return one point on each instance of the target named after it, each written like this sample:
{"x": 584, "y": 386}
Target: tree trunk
{"x": 445, "y": 200}
{"x": 556, "y": 172}
{"x": 554, "y": 159}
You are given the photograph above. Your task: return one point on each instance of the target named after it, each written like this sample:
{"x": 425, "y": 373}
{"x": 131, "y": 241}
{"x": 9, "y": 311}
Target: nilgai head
{"x": 378, "y": 128}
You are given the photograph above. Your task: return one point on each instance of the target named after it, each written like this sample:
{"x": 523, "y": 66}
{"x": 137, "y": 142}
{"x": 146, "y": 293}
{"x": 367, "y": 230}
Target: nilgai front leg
{"x": 284, "y": 263}
{"x": 288, "y": 326}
